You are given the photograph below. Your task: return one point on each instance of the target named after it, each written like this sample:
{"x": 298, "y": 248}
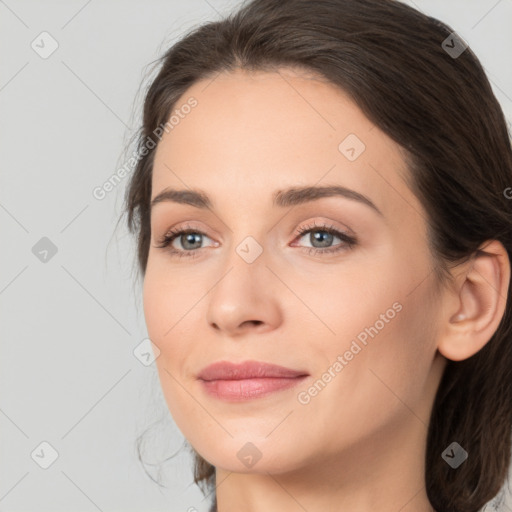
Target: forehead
{"x": 252, "y": 133}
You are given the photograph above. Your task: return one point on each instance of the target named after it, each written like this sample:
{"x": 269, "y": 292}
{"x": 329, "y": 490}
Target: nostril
{"x": 255, "y": 322}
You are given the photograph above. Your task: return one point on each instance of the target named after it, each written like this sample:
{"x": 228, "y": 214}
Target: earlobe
{"x": 478, "y": 303}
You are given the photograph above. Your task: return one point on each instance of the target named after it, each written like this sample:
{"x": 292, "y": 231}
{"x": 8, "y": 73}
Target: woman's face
{"x": 359, "y": 320}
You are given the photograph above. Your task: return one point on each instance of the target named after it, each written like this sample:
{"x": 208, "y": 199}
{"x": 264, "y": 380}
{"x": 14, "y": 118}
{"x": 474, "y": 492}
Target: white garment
{"x": 497, "y": 504}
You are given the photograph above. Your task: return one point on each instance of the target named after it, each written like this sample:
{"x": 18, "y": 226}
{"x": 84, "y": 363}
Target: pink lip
{"x": 251, "y": 379}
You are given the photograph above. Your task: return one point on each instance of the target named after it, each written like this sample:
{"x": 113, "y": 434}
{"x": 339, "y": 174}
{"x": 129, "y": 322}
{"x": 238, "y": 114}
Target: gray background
{"x": 70, "y": 324}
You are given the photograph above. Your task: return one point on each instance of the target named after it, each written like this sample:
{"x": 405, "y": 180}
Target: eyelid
{"x": 187, "y": 225}
{"x": 316, "y": 223}
{"x": 321, "y": 224}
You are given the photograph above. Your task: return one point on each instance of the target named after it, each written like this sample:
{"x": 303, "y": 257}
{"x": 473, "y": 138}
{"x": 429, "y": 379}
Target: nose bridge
{"x": 246, "y": 289}
{"x": 248, "y": 245}
{"x": 249, "y": 233}
{"x": 246, "y": 260}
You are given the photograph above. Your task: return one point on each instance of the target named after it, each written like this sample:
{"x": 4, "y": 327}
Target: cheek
{"x": 150, "y": 305}
{"x": 167, "y": 296}
{"x": 388, "y": 352}
{"x": 162, "y": 317}
{"x": 163, "y": 310}
{"x": 171, "y": 313}
{"x": 385, "y": 334}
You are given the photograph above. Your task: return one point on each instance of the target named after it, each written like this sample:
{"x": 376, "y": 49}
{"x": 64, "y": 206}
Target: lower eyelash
{"x": 348, "y": 241}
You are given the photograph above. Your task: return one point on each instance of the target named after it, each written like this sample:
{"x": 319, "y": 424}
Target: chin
{"x": 252, "y": 457}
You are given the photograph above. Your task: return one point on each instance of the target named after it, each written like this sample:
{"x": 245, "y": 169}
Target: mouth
{"x": 251, "y": 379}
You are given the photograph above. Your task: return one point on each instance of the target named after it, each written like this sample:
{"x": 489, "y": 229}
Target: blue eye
{"x": 187, "y": 236}
{"x": 348, "y": 241}
{"x": 324, "y": 234}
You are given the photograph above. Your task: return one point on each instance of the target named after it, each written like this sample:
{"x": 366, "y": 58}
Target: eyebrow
{"x": 282, "y": 198}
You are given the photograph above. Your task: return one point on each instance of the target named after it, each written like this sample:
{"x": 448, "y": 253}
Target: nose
{"x": 245, "y": 299}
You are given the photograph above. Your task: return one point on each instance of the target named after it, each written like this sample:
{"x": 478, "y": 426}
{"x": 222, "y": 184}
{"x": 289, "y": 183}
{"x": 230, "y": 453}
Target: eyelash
{"x": 348, "y": 241}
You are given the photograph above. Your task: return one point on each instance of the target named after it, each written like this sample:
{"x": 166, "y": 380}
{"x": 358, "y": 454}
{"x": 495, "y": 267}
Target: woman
{"x": 324, "y": 231}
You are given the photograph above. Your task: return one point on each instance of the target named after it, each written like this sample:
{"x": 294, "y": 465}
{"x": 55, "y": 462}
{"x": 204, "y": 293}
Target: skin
{"x": 359, "y": 444}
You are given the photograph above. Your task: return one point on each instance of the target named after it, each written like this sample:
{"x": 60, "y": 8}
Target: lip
{"x": 251, "y": 379}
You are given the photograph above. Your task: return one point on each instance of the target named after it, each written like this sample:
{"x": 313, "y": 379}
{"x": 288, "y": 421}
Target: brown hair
{"x": 440, "y": 108}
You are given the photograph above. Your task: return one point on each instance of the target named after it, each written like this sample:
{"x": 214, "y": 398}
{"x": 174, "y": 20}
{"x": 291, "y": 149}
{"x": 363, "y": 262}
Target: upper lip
{"x": 225, "y": 370}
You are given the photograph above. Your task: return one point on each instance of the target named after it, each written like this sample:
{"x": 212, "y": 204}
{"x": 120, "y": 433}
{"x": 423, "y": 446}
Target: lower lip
{"x": 247, "y": 389}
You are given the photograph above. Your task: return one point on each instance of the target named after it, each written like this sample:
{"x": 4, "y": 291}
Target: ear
{"x": 475, "y": 304}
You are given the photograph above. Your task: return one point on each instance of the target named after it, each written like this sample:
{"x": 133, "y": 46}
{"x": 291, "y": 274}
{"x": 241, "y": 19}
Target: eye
{"x": 191, "y": 240}
{"x": 323, "y": 236}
